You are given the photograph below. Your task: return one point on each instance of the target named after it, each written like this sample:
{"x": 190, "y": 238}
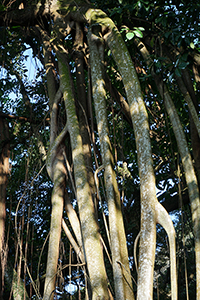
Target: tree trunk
{"x": 151, "y": 211}
{"x": 121, "y": 270}
{"x": 4, "y": 171}
{"x": 15, "y": 285}
{"x": 90, "y": 231}
{"x": 186, "y": 160}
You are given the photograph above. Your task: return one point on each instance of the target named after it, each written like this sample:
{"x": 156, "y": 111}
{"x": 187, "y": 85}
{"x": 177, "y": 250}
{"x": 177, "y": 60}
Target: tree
{"x": 4, "y": 171}
{"x": 91, "y": 80}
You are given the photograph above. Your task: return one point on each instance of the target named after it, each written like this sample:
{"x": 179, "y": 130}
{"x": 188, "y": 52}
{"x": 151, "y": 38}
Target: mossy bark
{"x": 141, "y": 129}
{"x": 189, "y": 102}
{"x": 191, "y": 180}
{"x": 4, "y": 171}
{"x": 186, "y": 160}
{"x": 50, "y": 72}
{"x": 15, "y": 284}
{"x": 82, "y": 105}
{"x": 121, "y": 270}
{"x": 89, "y": 227}
{"x": 150, "y": 212}
{"x": 55, "y": 227}
{"x": 56, "y": 170}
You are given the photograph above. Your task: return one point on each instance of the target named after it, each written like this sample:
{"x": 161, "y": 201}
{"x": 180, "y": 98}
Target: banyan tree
{"x": 92, "y": 79}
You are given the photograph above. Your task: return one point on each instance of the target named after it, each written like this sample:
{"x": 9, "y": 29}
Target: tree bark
{"x": 90, "y": 231}
{"x": 151, "y": 211}
{"x": 186, "y": 160}
{"x": 15, "y": 285}
{"x": 121, "y": 270}
{"x": 4, "y": 171}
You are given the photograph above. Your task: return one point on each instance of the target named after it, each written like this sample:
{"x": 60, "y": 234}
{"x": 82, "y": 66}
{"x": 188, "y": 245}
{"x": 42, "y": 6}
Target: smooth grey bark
{"x": 121, "y": 270}
{"x": 151, "y": 211}
{"x": 82, "y": 104}
{"x": 191, "y": 180}
{"x": 89, "y": 226}
{"x": 57, "y": 173}
{"x": 73, "y": 242}
{"x": 189, "y": 101}
{"x": 186, "y": 160}
{"x": 195, "y": 139}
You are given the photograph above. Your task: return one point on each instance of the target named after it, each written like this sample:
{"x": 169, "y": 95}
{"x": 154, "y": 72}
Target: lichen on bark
{"x": 149, "y": 214}
{"x": 89, "y": 226}
{"x": 121, "y": 270}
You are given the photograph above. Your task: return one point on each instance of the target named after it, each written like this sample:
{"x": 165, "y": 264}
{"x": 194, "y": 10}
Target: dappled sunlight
{"x": 103, "y": 125}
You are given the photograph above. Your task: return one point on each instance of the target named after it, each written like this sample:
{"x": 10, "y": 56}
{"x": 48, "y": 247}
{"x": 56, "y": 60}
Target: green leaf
{"x": 183, "y": 64}
{"x": 152, "y": 42}
{"x": 130, "y": 35}
{"x": 141, "y": 28}
{"x": 177, "y": 62}
{"x": 138, "y": 33}
{"x": 178, "y": 72}
{"x": 2, "y": 7}
{"x": 124, "y": 28}
{"x": 167, "y": 34}
{"x": 184, "y": 56}
{"x": 192, "y": 45}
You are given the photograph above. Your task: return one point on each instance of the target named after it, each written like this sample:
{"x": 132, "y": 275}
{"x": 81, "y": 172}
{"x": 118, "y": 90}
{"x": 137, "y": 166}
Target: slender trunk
{"x": 121, "y": 270}
{"x": 50, "y": 72}
{"x": 151, "y": 212}
{"x": 190, "y": 179}
{"x": 82, "y": 104}
{"x": 55, "y": 227}
{"x": 57, "y": 173}
{"x": 4, "y": 171}
{"x": 186, "y": 160}
{"x": 188, "y": 100}
{"x": 195, "y": 139}
{"x": 15, "y": 284}
{"x": 90, "y": 231}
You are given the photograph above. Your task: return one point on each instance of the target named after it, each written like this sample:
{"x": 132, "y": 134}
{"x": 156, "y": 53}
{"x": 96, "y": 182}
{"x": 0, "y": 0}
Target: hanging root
{"x": 53, "y": 151}
{"x": 135, "y": 250}
{"x": 164, "y": 220}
